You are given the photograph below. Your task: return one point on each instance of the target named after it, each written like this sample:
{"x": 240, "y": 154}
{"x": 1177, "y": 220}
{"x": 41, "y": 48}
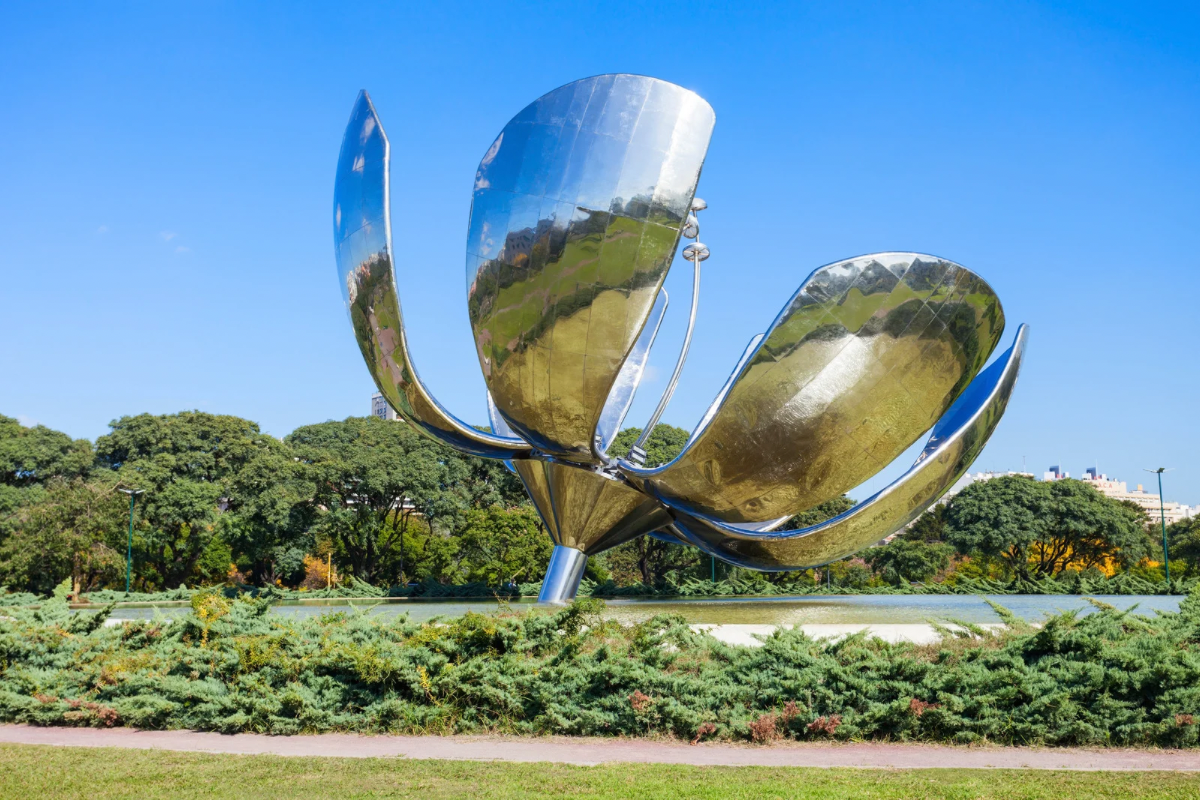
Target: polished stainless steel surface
{"x": 362, "y": 239}
{"x": 637, "y": 454}
{"x": 691, "y": 230}
{"x": 955, "y": 442}
{"x": 563, "y": 576}
{"x": 620, "y": 398}
{"x": 864, "y": 359}
{"x": 578, "y": 209}
{"x": 590, "y": 510}
{"x": 575, "y": 219}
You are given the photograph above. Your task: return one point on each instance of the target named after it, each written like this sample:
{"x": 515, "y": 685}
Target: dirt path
{"x": 567, "y": 750}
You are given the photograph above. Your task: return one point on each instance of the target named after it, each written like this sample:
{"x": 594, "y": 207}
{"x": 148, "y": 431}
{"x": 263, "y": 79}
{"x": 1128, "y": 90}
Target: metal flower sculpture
{"x": 579, "y": 206}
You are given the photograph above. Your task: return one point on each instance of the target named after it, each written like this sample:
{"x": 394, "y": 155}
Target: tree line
{"x": 222, "y": 502}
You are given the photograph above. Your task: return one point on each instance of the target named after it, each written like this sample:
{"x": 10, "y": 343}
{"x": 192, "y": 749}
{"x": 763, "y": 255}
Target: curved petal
{"x": 955, "y": 442}
{"x": 576, "y": 215}
{"x": 628, "y": 379}
{"x": 864, "y": 359}
{"x": 362, "y": 238}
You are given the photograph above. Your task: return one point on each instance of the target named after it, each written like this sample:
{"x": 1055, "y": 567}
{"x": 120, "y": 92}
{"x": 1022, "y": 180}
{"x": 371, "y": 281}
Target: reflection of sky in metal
{"x": 861, "y": 362}
{"x": 576, "y": 216}
{"x": 574, "y": 222}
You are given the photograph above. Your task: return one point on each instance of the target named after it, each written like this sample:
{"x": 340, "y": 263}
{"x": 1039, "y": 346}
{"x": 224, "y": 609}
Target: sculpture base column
{"x": 563, "y": 575}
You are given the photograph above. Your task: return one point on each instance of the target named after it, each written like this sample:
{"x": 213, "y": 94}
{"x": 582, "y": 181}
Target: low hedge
{"x": 1105, "y": 678}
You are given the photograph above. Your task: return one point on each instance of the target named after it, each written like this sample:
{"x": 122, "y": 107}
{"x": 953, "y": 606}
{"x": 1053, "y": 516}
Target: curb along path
{"x": 587, "y": 752}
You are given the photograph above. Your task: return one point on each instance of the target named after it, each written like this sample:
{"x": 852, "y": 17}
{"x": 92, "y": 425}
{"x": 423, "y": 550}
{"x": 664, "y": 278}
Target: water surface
{"x": 795, "y": 610}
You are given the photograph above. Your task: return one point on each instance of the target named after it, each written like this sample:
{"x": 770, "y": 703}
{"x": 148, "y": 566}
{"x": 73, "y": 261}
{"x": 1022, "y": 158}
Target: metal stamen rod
{"x": 695, "y": 253}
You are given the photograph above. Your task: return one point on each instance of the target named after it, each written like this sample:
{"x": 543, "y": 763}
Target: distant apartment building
{"x": 381, "y": 409}
{"x": 1118, "y": 490}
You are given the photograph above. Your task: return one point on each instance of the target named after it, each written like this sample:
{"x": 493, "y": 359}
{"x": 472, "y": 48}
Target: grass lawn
{"x": 30, "y": 771}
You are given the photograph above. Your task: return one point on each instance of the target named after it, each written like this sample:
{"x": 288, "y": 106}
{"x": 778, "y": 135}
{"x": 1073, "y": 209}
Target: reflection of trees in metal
{"x": 578, "y": 210}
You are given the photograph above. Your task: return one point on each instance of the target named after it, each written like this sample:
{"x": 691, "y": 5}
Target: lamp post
{"x": 133, "y": 493}
{"x": 1162, "y": 516}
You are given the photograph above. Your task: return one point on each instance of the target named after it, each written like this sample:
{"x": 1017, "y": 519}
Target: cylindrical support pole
{"x": 1162, "y": 515}
{"x": 563, "y": 575}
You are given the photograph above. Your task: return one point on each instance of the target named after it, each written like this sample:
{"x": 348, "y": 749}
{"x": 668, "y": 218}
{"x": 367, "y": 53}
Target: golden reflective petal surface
{"x": 574, "y": 222}
{"x": 588, "y": 510}
{"x": 955, "y": 443}
{"x": 862, "y": 361}
{"x": 577, "y": 211}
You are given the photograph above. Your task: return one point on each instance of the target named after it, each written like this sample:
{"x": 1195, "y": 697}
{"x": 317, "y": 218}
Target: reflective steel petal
{"x": 576, "y": 216}
{"x": 955, "y": 443}
{"x": 861, "y": 362}
{"x": 588, "y": 510}
{"x": 362, "y": 239}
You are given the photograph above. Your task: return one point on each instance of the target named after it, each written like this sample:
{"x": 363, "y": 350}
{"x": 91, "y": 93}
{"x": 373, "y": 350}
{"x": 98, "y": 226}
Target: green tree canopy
{"x": 186, "y": 464}
{"x": 504, "y": 544}
{"x": 648, "y": 559}
{"x": 1183, "y": 541}
{"x": 72, "y": 530}
{"x": 372, "y": 477}
{"x": 35, "y": 455}
{"x": 908, "y": 559}
{"x": 1041, "y": 528}
{"x": 272, "y": 508}
{"x": 664, "y": 443}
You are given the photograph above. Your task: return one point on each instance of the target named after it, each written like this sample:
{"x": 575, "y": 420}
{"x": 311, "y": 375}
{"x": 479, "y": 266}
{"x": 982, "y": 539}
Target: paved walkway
{"x": 569, "y": 750}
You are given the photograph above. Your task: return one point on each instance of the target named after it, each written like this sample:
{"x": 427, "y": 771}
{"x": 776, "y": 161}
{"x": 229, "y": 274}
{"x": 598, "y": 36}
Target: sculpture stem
{"x": 563, "y": 575}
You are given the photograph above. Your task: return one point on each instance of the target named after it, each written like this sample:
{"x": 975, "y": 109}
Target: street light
{"x": 1162, "y": 515}
{"x": 133, "y": 493}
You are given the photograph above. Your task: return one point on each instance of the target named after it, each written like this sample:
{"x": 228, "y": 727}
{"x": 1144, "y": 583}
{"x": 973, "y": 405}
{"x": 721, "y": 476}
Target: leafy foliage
{"x": 386, "y": 507}
{"x": 1107, "y": 678}
{"x": 71, "y": 530}
{"x": 34, "y": 455}
{"x": 1042, "y": 528}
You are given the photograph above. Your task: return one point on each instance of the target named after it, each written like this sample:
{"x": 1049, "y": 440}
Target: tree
{"x": 1042, "y": 528}
{"x": 1183, "y": 542}
{"x": 73, "y": 531}
{"x": 186, "y": 464}
{"x": 272, "y": 508}
{"x": 819, "y": 513}
{"x": 645, "y": 558}
{"x": 929, "y": 527}
{"x": 372, "y": 478}
{"x": 906, "y": 559}
{"x": 664, "y": 443}
{"x": 35, "y": 455}
{"x": 504, "y": 544}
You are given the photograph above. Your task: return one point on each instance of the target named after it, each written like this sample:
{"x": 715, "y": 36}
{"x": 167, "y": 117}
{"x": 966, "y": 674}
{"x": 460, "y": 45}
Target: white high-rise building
{"x": 1118, "y": 490}
{"x": 381, "y": 409}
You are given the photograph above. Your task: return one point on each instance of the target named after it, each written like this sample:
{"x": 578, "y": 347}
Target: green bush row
{"x": 1106, "y": 678}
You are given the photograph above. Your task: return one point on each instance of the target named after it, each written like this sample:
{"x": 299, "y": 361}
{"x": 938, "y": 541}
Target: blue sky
{"x": 168, "y": 171}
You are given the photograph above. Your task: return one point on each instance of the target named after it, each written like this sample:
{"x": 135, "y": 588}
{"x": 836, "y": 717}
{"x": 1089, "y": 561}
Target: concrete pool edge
{"x": 593, "y": 751}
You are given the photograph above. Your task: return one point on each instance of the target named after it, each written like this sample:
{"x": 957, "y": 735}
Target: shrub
{"x": 1107, "y": 678}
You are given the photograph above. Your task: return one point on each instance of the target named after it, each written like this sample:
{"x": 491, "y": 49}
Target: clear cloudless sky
{"x": 167, "y": 174}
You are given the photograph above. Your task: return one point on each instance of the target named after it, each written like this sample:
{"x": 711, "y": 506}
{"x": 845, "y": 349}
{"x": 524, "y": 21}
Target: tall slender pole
{"x": 1162, "y": 516}
{"x": 129, "y": 543}
{"x": 133, "y": 493}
